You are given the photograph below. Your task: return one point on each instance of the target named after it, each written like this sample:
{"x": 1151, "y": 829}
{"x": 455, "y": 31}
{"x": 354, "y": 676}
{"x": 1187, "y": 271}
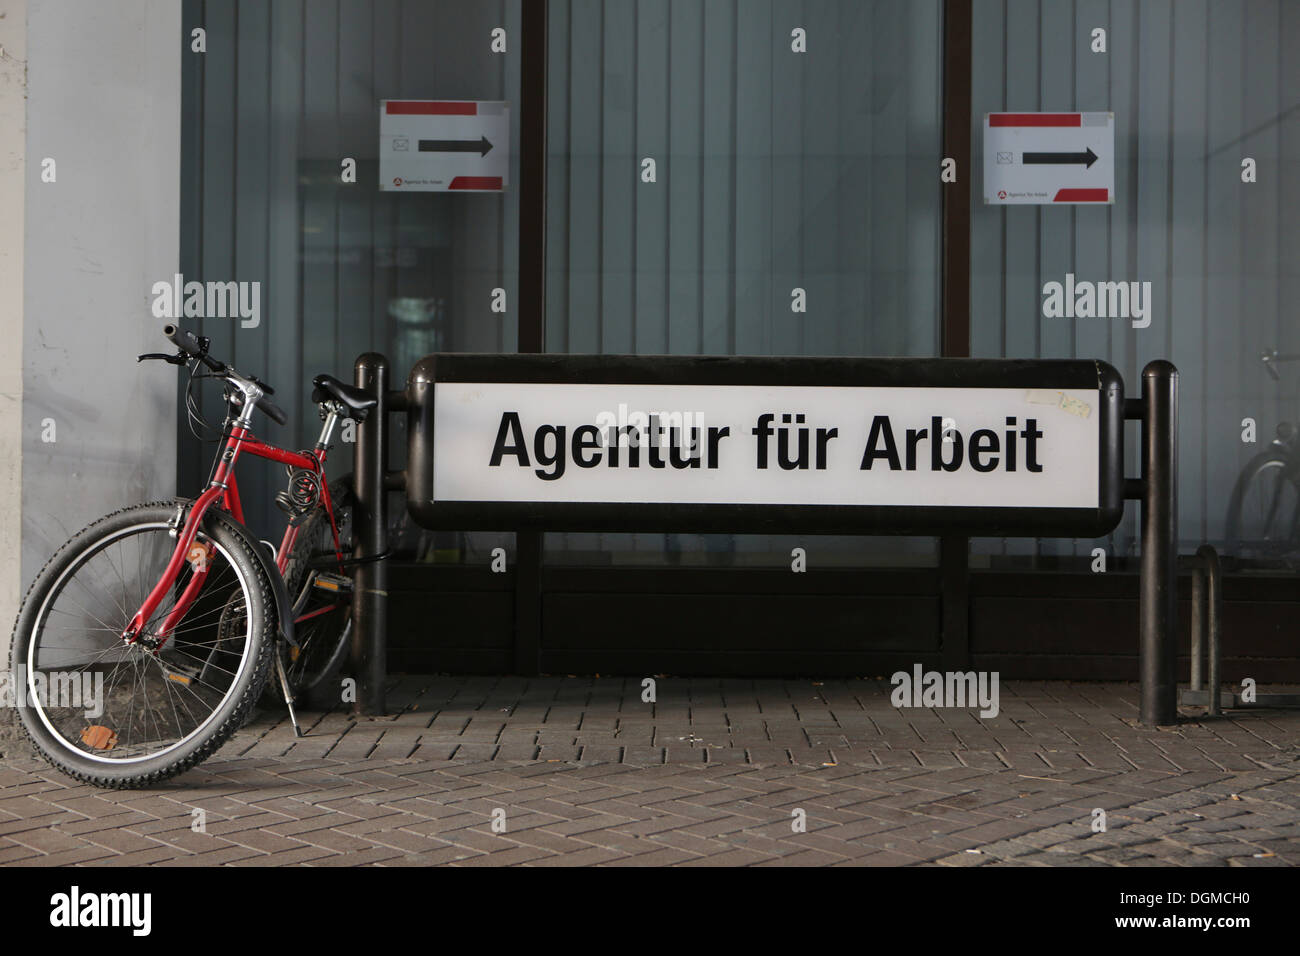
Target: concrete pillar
{"x": 13, "y": 149}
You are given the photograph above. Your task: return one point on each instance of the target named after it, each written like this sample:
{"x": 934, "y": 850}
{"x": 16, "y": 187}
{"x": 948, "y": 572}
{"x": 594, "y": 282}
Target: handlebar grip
{"x": 188, "y": 343}
{"x": 273, "y": 411}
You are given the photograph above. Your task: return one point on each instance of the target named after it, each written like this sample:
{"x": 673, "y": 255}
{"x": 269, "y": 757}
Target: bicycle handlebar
{"x": 273, "y": 411}
{"x": 188, "y": 343}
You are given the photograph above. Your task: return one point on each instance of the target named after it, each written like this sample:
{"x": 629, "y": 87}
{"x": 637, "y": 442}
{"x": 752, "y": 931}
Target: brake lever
{"x": 180, "y": 358}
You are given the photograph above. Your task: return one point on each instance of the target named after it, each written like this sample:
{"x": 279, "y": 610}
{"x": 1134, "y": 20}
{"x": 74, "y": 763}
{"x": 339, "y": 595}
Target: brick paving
{"x": 579, "y": 771}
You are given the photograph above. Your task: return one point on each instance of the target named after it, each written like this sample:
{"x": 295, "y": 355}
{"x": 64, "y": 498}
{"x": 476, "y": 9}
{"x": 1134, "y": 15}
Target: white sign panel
{"x": 437, "y": 145}
{"x": 699, "y": 444}
{"x": 1049, "y": 158}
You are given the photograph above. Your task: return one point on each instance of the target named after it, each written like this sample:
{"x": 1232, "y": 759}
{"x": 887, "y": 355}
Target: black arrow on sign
{"x": 480, "y": 146}
{"x": 1086, "y": 159}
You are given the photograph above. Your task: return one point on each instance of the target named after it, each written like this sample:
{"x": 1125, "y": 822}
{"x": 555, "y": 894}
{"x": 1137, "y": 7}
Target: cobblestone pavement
{"x": 581, "y": 771}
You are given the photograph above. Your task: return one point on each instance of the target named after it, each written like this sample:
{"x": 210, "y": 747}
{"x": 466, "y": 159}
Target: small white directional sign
{"x": 1041, "y": 158}
{"x": 443, "y": 145}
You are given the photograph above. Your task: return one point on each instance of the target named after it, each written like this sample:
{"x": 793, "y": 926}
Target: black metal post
{"x": 1213, "y": 612}
{"x": 1198, "y": 625}
{"x": 954, "y": 550}
{"x": 370, "y": 536}
{"x": 534, "y": 51}
{"x": 1158, "y": 652}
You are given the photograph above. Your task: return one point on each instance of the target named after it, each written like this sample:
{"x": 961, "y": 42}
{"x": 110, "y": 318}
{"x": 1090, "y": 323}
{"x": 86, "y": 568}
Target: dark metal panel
{"x": 354, "y": 241}
{"x": 431, "y": 659}
{"x": 532, "y": 175}
{"x": 954, "y": 578}
{"x": 921, "y": 582}
{"x": 738, "y": 624}
{"x": 532, "y": 303}
{"x": 754, "y": 327}
{"x": 780, "y": 664}
{"x": 190, "y": 470}
{"x": 955, "y": 266}
{"x": 450, "y": 621}
{"x": 250, "y": 236}
{"x": 956, "y": 196}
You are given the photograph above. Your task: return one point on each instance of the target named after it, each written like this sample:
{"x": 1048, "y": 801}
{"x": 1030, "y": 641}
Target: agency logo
{"x": 75, "y": 909}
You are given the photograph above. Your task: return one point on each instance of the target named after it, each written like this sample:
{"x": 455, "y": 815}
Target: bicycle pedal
{"x": 178, "y": 672}
{"x": 335, "y": 583}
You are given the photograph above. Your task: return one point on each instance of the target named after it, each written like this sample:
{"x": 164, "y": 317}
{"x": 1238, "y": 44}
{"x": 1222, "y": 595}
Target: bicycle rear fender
{"x": 283, "y": 606}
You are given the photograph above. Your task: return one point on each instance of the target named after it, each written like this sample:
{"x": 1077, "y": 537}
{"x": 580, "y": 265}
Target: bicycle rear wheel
{"x": 118, "y": 714}
{"x": 322, "y": 604}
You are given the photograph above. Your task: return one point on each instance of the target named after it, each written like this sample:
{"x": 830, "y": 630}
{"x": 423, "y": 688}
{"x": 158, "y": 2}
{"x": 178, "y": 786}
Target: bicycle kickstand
{"x": 288, "y": 694}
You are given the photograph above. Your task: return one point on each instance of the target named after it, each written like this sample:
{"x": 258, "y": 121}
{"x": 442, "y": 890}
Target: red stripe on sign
{"x": 1082, "y": 195}
{"x": 431, "y": 108}
{"x": 475, "y": 182}
{"x": 1035, "y": 119}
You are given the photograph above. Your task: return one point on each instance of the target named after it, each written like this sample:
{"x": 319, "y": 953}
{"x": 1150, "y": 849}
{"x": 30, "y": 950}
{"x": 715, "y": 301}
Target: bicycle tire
{"x": 236, "y": 700}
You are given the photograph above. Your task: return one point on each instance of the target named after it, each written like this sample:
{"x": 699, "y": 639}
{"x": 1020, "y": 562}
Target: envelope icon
{"x": 1004, "y": 159}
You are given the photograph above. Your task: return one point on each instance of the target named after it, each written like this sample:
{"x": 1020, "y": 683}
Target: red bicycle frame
{"x": 223, "y": 493}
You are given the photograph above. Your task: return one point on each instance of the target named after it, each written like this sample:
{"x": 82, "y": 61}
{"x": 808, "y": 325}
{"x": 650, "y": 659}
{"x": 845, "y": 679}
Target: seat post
{"x": 327, "y": 429}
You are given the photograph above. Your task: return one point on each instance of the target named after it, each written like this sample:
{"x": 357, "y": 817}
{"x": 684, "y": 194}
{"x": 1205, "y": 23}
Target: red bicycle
{"x": 146, "y": 640}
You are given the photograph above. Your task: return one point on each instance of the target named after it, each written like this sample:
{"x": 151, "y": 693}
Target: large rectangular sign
{"x": 696, "y": 444}
{"x": 1036, "y": 158}
{"x": 958, "y": 443}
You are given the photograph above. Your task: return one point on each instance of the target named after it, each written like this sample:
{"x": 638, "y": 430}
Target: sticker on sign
{"x": 444, "y": 145}
{"x": 1049, "y": 158}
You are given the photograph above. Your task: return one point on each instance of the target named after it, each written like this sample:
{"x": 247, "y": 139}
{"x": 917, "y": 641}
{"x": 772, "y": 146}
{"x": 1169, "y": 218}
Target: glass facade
{"x": 285, "y": 94}
{"x": 715, "y": 188}
{"x": 1197, "y": 89}
{"x": 762, "y": 177}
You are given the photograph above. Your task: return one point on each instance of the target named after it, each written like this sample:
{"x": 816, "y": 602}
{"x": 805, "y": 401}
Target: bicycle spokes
{"x": 142, "y": 694}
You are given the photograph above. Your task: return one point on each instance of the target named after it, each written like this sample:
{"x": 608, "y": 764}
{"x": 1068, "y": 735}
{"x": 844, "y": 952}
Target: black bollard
{"x": 1158, "y": 650}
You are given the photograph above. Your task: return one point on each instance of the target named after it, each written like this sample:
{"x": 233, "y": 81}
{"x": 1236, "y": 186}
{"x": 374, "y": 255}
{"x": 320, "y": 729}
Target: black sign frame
{"x": 727, "y": 371}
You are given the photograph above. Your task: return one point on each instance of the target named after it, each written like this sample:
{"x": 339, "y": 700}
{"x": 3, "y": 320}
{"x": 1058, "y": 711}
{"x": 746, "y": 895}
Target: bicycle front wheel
{"x": 124, "y": 714}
